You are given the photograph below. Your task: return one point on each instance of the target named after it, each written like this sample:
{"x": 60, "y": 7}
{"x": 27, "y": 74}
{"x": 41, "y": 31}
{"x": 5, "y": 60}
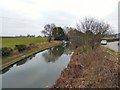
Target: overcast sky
{"x": 22, "y": 17}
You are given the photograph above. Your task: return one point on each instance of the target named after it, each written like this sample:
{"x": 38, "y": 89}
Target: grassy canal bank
{"x": 97, "y": 68}
{"x": 5, "y": 62}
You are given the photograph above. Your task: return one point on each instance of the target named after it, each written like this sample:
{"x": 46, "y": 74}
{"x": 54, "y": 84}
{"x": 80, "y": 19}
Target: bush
{"x": 20, "y": 47}
{"x": 111, "y": 39}
{"x": 5, "y": 51}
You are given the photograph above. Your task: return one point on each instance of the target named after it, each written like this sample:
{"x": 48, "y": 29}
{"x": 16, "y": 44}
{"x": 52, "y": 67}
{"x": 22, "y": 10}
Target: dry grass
{"x": 90, "y": 69}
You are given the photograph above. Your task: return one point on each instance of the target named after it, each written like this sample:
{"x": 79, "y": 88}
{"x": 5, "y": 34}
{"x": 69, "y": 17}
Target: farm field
{"x": 11, "y": 42}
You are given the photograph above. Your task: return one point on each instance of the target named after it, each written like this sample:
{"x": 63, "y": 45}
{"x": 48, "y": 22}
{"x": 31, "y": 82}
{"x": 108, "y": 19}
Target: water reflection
{"x": 54, "y": 53}
{"x": 51, "y": 55}
{"x": 6, "y": 69}
{"x": 37, "y": 72}
{"x": 24, "y": 60}
{"x": 17, "y": 64}
{"x": 68, "y": 49}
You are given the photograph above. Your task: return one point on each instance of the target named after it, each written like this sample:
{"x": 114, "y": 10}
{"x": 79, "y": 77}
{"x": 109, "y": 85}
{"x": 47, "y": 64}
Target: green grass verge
{"x": 112, "y": 52}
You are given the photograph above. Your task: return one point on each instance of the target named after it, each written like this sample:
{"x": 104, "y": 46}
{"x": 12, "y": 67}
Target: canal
{"x": 38, "y": 71}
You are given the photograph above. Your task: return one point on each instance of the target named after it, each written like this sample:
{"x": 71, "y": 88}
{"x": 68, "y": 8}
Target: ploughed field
{"x": 11, "y": 42}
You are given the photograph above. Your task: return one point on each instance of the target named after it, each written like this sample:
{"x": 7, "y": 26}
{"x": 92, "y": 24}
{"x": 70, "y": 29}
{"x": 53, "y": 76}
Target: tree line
{"x": 89, "y": 32}
{"x": 53, "y": 32}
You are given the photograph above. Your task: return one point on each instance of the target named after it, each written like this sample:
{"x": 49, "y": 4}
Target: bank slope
{"x": 91, "y": 69}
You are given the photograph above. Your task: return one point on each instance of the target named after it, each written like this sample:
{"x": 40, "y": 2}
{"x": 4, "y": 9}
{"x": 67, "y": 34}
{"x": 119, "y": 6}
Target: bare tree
{"x": 93, "y": 25}
{"x": 48, "y": 30}
{"x": 75, "y": 37}
{"x": 94, "y": 30}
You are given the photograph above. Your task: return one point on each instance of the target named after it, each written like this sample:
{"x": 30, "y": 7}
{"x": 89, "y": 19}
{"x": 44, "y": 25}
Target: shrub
{"x": 111, "y": 39}
{"x": 5, "y": 51}
{"x": 20, "y": 47}
{"x": 32, "y": 45}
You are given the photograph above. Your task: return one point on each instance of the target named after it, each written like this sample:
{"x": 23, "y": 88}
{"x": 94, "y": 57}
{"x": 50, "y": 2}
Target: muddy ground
{"x": 90, "y": 69}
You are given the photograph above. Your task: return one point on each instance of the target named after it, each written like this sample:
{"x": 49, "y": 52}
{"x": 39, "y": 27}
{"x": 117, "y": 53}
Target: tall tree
{"x": 58, "y": 34}
{"x": 48, "y": 30}
{"x": 94, "y": 30}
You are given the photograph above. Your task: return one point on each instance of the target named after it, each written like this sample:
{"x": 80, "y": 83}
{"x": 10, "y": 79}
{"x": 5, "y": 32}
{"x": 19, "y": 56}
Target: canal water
{"x": 38, "y": 71}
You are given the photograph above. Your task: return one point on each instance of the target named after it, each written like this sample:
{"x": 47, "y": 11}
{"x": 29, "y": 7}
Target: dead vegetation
{"x": 90, "y": 69}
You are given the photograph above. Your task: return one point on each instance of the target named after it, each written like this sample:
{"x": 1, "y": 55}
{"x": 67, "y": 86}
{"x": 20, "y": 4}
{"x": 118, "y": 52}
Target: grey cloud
{"x": 59, "y": 18}
{"x": 14, "y": 23}
{"x": 27, "y": 1}
{"x": 112, "y": 19}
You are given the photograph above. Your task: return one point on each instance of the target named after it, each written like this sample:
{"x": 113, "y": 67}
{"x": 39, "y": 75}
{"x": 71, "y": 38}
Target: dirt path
{"x": 93, "y": 69}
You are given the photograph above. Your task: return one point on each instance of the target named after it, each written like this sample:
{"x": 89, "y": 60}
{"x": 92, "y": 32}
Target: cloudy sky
{"x": 22, "y": 17}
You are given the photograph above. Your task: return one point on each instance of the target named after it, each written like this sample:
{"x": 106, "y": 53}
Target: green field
{"x": 11, "y": 42}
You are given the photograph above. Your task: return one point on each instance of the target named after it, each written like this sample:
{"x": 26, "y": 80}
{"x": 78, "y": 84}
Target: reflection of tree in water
{"x": 6, "y": 69}
{"x": 18, "y": 64}
{"x": 67, "y": 49}
{"x": 24, "y": 60}
{"x": 53, "y": 53}
{"x": 21, "y": 62}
